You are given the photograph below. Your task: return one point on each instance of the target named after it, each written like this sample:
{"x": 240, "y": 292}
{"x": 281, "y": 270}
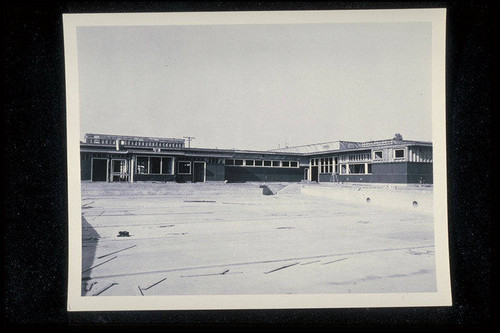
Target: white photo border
{"x": 442, "y": 297}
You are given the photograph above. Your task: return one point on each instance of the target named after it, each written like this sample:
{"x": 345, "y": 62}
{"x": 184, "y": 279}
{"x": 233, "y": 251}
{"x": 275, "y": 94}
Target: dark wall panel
{"x": 85, "y": 169}
{"x": 390, "y": 172}
{"x": 215, "y": 172}
{"x": 420, "y": 173}
{"x": 249, "y": 174}
{"x": 159, "y": 178}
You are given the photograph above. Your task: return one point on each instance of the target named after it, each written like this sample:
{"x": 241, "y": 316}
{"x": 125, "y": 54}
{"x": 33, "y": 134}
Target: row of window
{"x": 141, "y": 143}
{"x": 377, "y": 155}
{"x": 155, "y": 165}
{"x": 355, "y": 157}
{"x": 397, "y": 154}
{"x": 326, "y": 161}
{"x": 147, "y": 165}
{"x": 361, "y": 168}
{"x": 262, "y": 163}
{"x": 328, "y": 168}
{"x": 88, "y": 156}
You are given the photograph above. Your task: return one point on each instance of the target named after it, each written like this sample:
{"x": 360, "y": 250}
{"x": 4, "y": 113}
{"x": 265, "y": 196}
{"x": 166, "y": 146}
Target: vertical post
{"x": 131, "y": 171}
{"x": 189, "y": 138}
{"x": 107, "y": 171}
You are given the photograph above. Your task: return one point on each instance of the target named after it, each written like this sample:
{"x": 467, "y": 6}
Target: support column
{"x": 131, "y": 178}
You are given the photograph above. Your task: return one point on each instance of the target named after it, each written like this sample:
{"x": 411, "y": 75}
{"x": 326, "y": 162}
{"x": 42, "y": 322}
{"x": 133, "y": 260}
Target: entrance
{"x": 199, "y": 172}
{"x": 119, "y": 171}
{"x": 306, "y": 174}
{"x": 314, "y": 173}
{"x": 99, "y": 170}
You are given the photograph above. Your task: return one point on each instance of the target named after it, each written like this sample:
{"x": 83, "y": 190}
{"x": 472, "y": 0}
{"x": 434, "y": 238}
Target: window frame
{"x": 179, "y": 168}
{"x": 172, "y": 163}
{"x": 137, "y": 165}
{"x": 148, "y": 168}
{"x": 395, "y": 150}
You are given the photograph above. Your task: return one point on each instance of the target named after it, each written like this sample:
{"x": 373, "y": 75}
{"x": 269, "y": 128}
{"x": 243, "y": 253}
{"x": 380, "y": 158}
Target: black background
{"x": 35, "y": 193}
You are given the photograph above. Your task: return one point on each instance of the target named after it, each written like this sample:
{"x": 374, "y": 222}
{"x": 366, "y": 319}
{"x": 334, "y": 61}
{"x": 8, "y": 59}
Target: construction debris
{"x": 311, "y": 262}
{"x": 211, "y": 274}
{"x": 326, "y": 263}
{"x": 154, "y": 284}
{"x": 89, "y": 286}
{"x": 277, "y": 269}
{"x": 87, "y": 269}
{"x": 100, "y": 291}
{"x": 116, "y": 251}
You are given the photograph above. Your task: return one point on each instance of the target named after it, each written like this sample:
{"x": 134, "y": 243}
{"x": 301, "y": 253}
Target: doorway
{"x": 119, "y": 170}
{"x": 199, "y": 172}
{"x": 314, "y": 173}
{"x": 99, "y": 170}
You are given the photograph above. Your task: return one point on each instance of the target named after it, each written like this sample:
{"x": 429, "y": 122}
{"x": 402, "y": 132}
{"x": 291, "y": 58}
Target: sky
{"x": 257, "y": 87}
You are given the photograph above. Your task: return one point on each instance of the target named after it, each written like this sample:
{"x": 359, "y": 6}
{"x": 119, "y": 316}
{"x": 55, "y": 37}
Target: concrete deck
{"x": 230, "y": 239}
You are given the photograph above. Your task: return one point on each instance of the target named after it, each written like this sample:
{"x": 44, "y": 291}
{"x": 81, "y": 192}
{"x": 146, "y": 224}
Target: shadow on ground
{"x": 90, "y": 238}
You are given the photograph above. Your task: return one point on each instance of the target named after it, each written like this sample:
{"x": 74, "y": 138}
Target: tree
{"x": 398, "y": 137}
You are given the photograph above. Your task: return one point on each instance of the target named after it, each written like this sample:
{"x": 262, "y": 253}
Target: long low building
{"x": 119, "y": 158}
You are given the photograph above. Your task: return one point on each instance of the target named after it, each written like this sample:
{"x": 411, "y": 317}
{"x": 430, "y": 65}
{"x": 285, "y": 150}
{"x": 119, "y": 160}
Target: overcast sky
{"x": 257, "y": 86}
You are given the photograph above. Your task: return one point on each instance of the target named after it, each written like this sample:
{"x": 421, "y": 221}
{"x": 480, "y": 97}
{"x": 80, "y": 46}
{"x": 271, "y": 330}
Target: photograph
{"x": 256, "y": 160}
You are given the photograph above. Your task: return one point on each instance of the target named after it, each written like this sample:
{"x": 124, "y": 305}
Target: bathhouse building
{"x": 120, "y": 158}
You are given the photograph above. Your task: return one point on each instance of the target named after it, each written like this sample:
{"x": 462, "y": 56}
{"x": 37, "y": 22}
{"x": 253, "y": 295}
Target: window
{"x": 276, "y": 163}
{"x": 326, "y": 164}
{"x": 167, "y": 165}
{"x": 267, "y": 163}
{"x": 399, "y": 153}
{"x": 285, "y": 164}
{"x": 229, "y": 162}
{"x": 369, "y": 168}
{"x": 258, "y": 163}
{"x": 249, "y": 162}
{"x": 238, "y": 162}
{"x": 184, "y": 168}
{"x": 142, "y": 165}
{"x": 356, "y": 168}
{"x": 377, "y": 155}
{"x": 154, "y": 164}
{"x": 294, "y": 164}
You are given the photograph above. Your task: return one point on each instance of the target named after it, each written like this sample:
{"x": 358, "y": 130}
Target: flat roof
{"x": 297, "y": 151}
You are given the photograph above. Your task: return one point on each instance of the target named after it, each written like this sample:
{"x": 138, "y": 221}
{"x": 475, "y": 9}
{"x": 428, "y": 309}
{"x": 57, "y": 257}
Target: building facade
{"x": 117, "y": 158}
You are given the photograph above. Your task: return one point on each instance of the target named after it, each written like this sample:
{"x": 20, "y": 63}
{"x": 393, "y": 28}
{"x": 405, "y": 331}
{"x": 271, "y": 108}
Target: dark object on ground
{"x": 266, "y": 190}
{"x": 123, "y": 234}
